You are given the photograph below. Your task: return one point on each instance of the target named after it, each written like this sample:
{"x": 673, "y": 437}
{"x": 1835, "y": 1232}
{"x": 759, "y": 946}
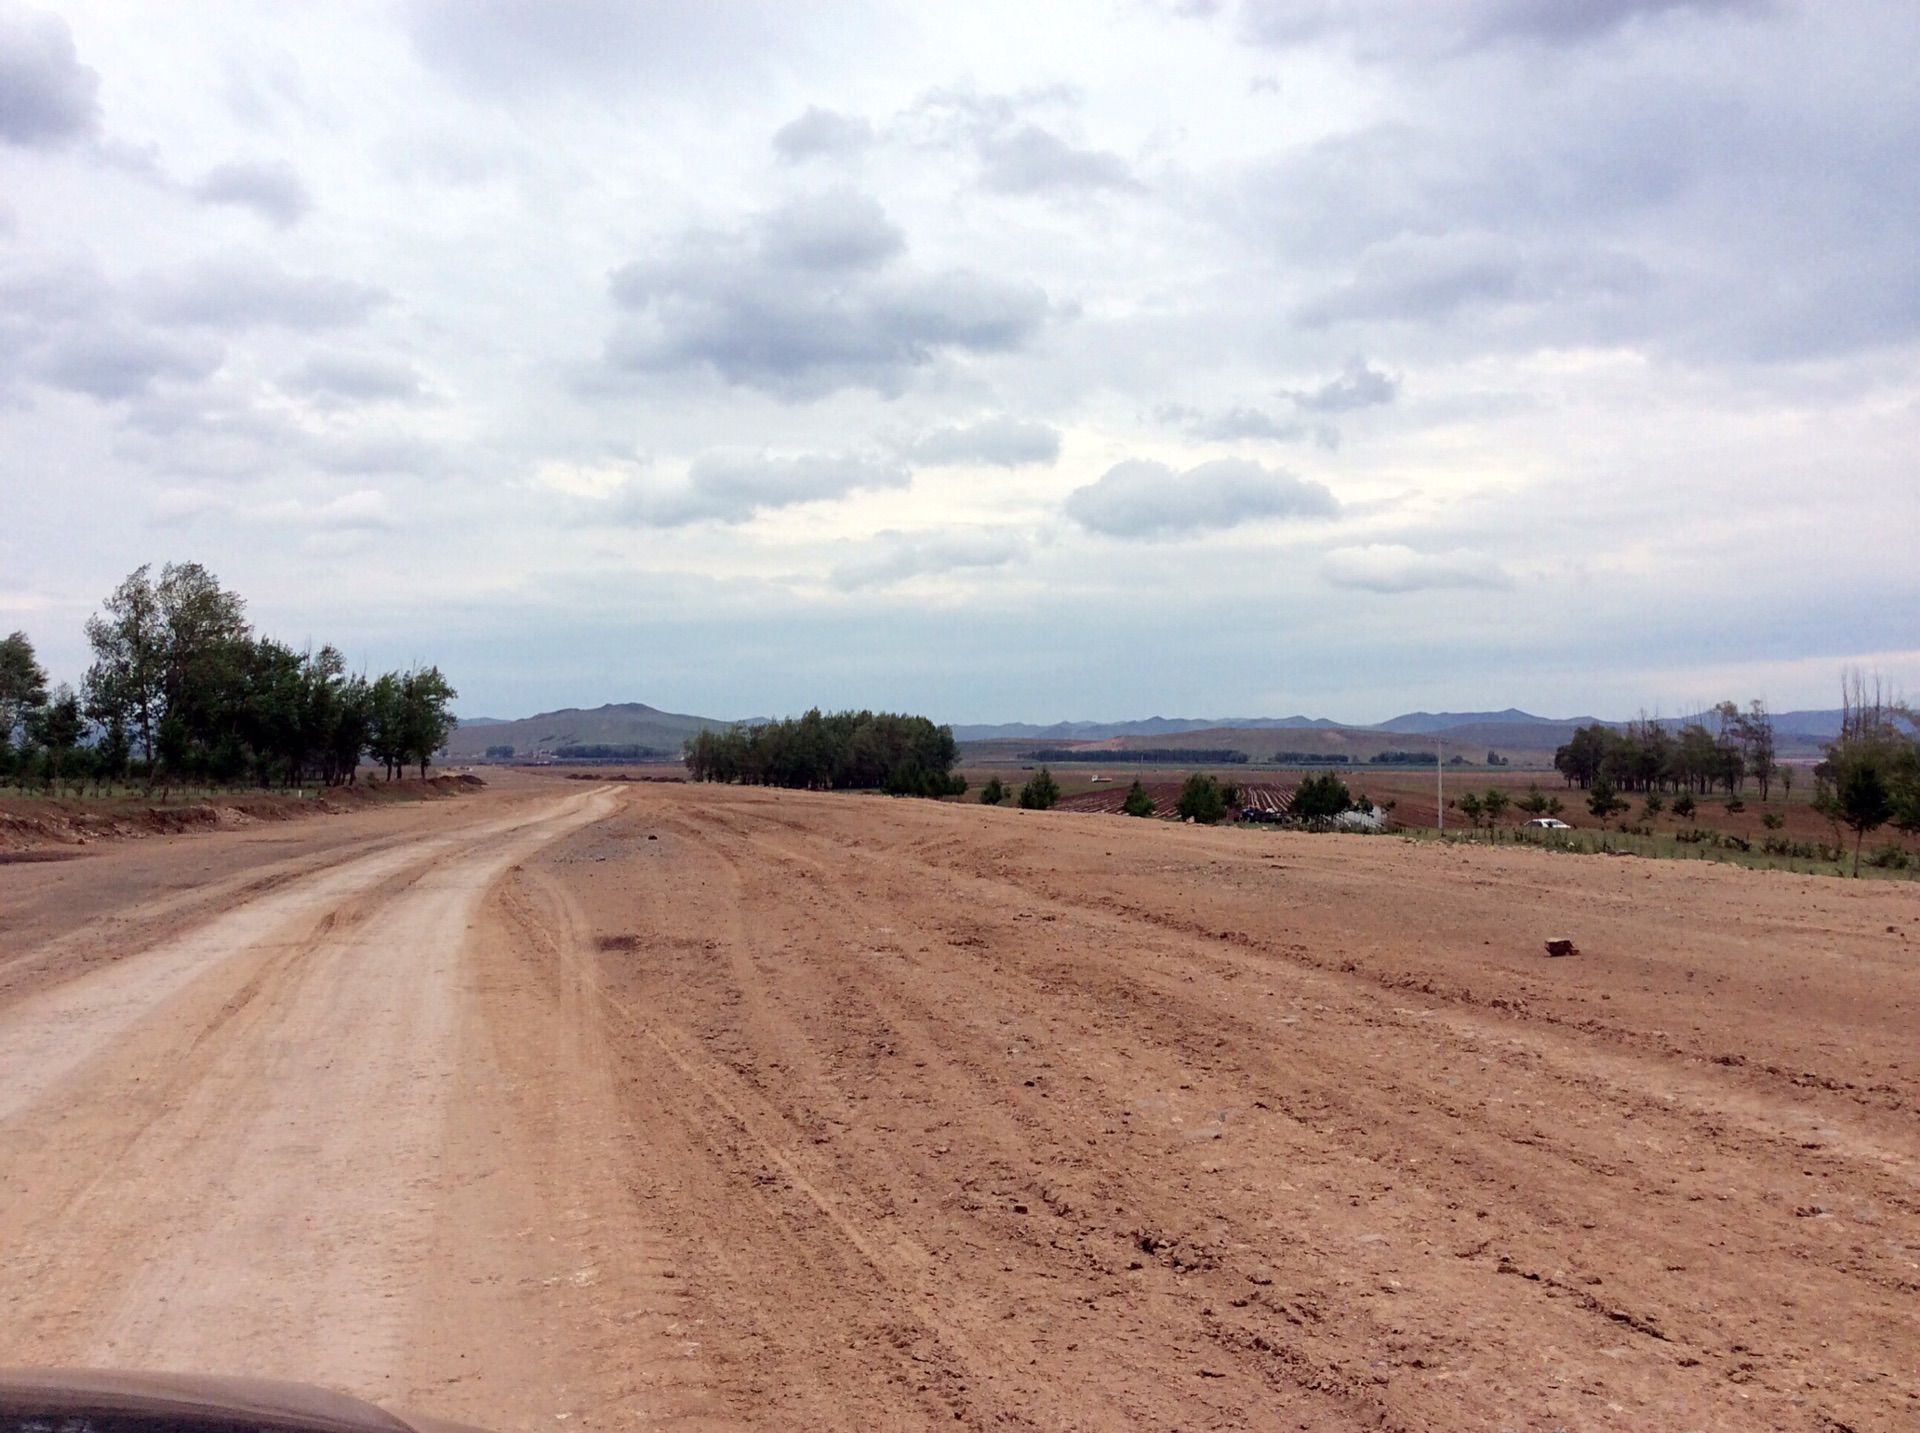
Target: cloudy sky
{"x": 1001, "y": 361}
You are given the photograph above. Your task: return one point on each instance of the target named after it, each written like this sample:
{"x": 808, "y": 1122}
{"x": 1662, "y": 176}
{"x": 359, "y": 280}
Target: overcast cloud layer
{"x": 997, "y": 361}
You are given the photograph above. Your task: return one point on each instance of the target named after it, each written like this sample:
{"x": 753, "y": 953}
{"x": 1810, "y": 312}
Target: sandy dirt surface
{"x": 574, "y": 1106}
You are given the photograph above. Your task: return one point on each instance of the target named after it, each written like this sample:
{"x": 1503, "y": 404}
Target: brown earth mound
{"x": 34, "y": 823}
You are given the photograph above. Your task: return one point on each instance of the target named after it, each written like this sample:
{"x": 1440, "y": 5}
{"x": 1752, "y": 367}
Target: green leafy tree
{"x": 387, "y": 724}
{"x": 1858, "y": 788}
{"x": 23, "y": 684}
{"x": 426, "y": 719}
{"x": 1495, "y": 804}
{"x": 1201, "y": 799}
{"x": 112, "y": 753}
{"x": 352, "y": 725}
{"x": 1756, "y": 736}
{"x": 1473, "y": 808}
{"x": 1534, "y": 802}
{"x": 1653, "y": 805}
{"x": 1040, "y": 793}
{"x": 125, "y": 682}
{"x": 1684, "y": 805}
{"x": 1580, "y": 760}
{"x": 1603, "y": 800}
{"x": 57, "y": 727}
{"x": 1137, "y": 802}
{"x": 176, "y": 648}
{"x": 994, "y": 792}
{"x": 1320, "y": 798}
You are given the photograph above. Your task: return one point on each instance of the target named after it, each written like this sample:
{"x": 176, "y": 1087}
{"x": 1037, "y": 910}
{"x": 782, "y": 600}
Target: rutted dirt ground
{"x": 690, "y": 1107}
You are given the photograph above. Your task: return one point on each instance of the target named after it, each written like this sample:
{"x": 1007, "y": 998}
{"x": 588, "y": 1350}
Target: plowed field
{"x": 568, "y": 1106}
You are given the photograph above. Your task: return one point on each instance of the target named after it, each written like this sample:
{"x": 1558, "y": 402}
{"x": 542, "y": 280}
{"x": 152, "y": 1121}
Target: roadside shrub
{"x": 1201, "y": 799}
{"x": 1653, "y": 805}
{"x": 1890, "y": 857}
{"x": 1602, "y": 800}
{"x": 1720, "y": 839}
{"x": 1041, "y": 793}
{"x": 1684, "y": 805}
{"x": 994, "y": 792}
{"x": 1736, "y": 805}
{"x": 1772, "y": 820}
{"x": 1800, "y": 850}
{"x": 1138, "y": 803}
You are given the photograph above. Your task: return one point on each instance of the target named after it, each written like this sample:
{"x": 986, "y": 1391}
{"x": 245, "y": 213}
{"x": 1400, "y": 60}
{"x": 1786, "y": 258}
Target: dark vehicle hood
{"x": 198, "y": 1399}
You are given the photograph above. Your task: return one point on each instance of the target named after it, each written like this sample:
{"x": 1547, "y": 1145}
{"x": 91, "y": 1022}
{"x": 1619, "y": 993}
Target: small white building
{"x": 1373, "y": 819}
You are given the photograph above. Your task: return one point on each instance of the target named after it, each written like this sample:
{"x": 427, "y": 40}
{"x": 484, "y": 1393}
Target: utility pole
{"x": 1439, "y": 783}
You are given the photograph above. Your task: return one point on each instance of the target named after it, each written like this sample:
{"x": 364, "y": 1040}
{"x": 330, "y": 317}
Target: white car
{"x": 1547, "y": 823}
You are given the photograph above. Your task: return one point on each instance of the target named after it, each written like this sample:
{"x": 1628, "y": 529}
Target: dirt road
{"x": 284, "y": 1140}
{"x": 679, "y": 1107}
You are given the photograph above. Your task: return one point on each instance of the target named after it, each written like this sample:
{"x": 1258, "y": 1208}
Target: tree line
{"x": 181, "y": 689}
{"x": 893, "y": 752}
{"x": 1404, "y": 758}
{"x": 1651, "y": 755}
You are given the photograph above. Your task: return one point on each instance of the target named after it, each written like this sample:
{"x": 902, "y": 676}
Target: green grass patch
{"x": 1801, "y": 858}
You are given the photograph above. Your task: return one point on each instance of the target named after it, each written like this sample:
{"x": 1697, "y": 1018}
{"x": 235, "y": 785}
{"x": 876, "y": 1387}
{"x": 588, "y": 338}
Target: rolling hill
{"x": 616, "y": 724}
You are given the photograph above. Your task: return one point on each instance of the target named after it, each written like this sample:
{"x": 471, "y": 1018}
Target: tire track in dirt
{"x": 1533, "y": 1191}
{"x": 775, "y": 1151}
{"x": 1399, "y": 1114}
{"x": 1001, "y": 1173}
{"x": 1182, "y": 1248}
{"x": 237, "y": 1166}
{"x": 583, "y": 1316}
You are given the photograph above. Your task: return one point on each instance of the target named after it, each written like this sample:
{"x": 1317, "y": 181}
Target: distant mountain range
{"x": 1146, "y": 726}
{"x": 1447, "y": 721}
{"x": 1822, "y": 724}
{"x": 636, "y": 724}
